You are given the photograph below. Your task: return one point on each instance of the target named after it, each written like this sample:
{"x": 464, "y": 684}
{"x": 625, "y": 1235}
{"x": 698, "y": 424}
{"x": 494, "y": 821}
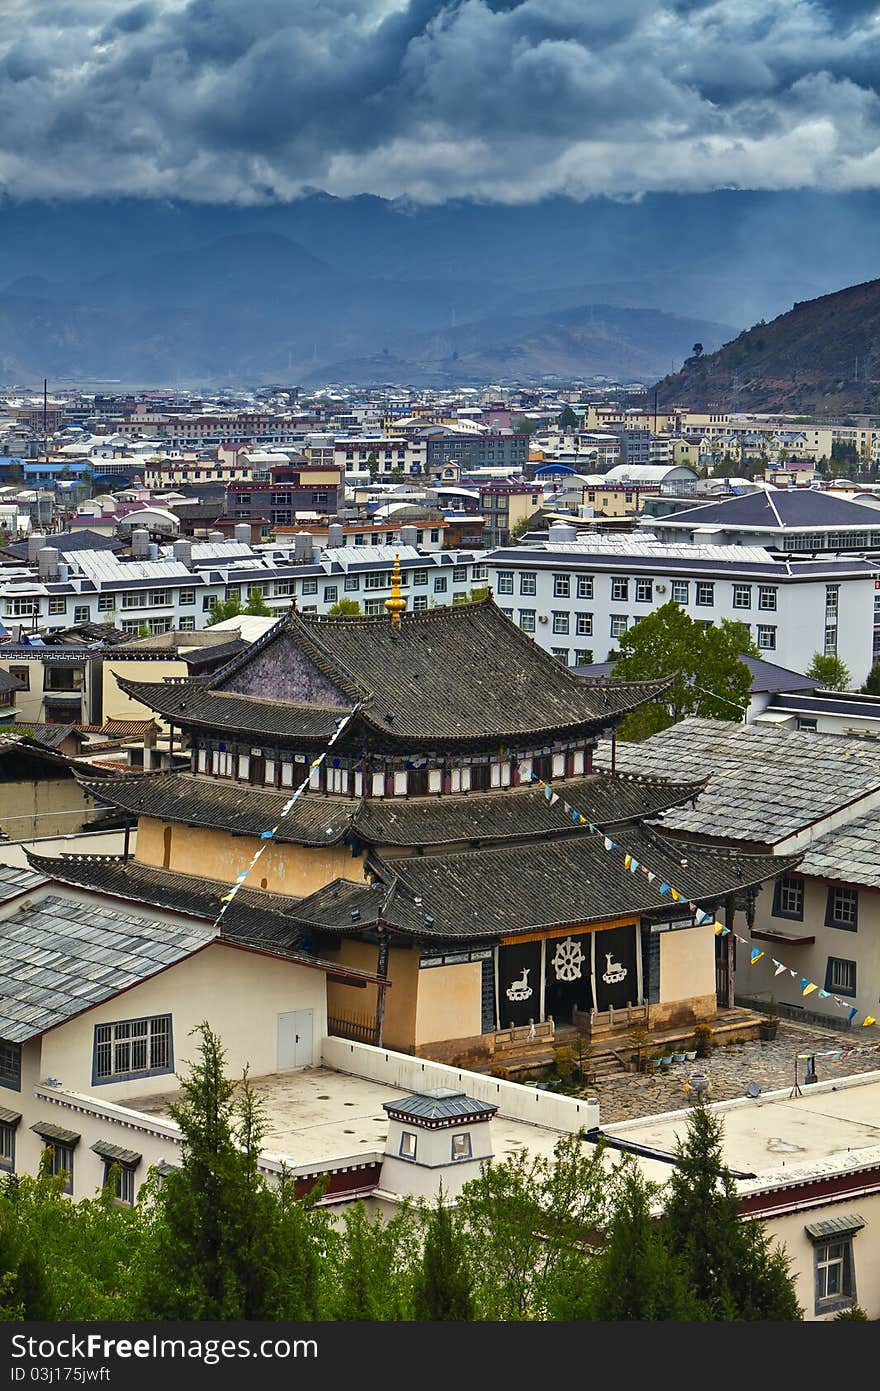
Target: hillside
{"x": 821, "y": 358}
{"x": 591, "y": 340}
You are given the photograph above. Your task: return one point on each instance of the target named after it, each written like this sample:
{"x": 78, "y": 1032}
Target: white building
{"x": 179, "y": 589}
{"x": 578, "y": 597}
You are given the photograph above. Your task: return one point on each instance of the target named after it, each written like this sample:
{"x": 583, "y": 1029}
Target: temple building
{"x": 453, "y": 841}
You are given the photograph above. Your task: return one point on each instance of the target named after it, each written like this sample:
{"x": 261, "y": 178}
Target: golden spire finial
{"x": 396, "y": 605}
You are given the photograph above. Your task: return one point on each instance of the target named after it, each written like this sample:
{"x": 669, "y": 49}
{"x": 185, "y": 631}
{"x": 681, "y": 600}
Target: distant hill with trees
{"x": 821, "y": 358}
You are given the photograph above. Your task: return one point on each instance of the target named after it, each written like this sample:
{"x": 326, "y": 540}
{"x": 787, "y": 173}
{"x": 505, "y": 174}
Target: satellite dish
{"x": 753, "y": 1090}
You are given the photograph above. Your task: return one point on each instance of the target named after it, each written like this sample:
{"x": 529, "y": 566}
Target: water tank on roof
{"x": 215, "y": 537}
{"x": 63, "y": 571}
{"x": 153, "y": 551}
{"x": 556, "y": 535}
{"x": 183, "y": 552}
{"x": 47, "y": 561}
{"x": 243, "y": 533}
{"x": 140, "y": 543}
{"x": 303, "y": 548}
{"x": 408, "y": 535}
{"x": 335, "y": 535}
{"x": 36, "y": 542}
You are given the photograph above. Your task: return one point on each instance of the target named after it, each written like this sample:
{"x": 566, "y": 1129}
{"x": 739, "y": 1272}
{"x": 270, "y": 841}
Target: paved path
{"x": 729, "y": 1069}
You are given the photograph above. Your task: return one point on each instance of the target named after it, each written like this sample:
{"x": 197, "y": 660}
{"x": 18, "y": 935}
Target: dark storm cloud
{"x": 502, "y": 99}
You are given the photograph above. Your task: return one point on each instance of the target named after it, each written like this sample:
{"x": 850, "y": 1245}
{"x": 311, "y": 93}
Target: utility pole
{"x": 45, "y": 421}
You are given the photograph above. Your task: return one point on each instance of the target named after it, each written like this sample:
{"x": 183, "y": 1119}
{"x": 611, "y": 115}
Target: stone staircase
{"x": 610, "y": 1053}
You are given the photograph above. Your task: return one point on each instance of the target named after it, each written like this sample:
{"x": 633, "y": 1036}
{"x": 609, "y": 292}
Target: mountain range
{"x": 327, "y": 289}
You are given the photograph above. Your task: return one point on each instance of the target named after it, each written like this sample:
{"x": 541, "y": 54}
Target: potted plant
{"x": 703, "y": 1034}
{"x": 770, "y": 1022}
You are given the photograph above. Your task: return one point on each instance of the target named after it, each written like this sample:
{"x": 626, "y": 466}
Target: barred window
{"x": 133, "y": 1047}
{"x": 10, "y": 1065}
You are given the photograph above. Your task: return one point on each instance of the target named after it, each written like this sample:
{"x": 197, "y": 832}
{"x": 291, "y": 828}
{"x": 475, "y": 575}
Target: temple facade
{"x": 453, "y": 846}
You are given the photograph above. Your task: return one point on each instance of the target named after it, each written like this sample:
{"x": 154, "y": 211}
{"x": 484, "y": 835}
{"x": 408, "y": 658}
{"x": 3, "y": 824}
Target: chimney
{"x": 243, "y": 533}
{"x": 36, "y": 541}
{"x": 408, "y": 535}
{"x": 183, "y": 552}
{"x": 303, "y": 548}
{"x": 140, "y": 543}
{"x": 335, "y": 535}
{"x": 47, "y": 561}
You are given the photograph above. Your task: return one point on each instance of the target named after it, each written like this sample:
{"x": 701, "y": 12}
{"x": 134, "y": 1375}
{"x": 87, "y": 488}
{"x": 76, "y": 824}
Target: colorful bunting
{"x": 755, "y": 955}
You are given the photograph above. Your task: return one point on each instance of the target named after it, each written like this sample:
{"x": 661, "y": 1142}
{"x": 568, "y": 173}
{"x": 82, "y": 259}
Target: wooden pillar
{"x": 125, "y": 843}
{"x": 382, "y": 972}
{"x": 495, "y": 952}
{"x": 640, "y": 983}
{"x": 729, "y": 919}
{"x": 542, "y": 999}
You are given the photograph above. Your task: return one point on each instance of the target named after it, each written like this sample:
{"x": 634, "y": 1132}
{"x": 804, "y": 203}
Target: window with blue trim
{"x": 132, "y": 1048}
{"x": 10, "y": 1065}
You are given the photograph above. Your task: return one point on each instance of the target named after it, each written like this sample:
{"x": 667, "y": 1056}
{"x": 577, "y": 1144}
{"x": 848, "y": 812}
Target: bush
{"x": 854, "y": 1313}
{"x": 565, "y": 1062}
{"x": 501, "y": 1072}
{"x": 703, "y": 1035}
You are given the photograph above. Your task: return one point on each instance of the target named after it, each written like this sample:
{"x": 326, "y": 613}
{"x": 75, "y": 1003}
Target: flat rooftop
{"x": 783, "y": 1135}
{"x": 318, "y": 1116}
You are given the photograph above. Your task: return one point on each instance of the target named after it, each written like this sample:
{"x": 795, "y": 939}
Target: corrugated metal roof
{"x": 439, "y": 1103}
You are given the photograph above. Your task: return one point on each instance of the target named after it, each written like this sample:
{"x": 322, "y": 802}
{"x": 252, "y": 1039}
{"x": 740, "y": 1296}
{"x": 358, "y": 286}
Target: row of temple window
{"x": 261, "y": 770}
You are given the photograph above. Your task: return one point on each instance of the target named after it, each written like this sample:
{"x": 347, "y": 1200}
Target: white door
{"x": 295, "y": 1040}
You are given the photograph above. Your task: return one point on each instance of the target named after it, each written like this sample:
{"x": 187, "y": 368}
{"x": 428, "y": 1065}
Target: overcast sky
{"x": 508, "y": 100}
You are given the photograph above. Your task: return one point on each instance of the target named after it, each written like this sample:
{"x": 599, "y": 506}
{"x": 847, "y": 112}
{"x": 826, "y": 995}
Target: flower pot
{"x": 667, "y": 1061}
{"x": 679, "y": 1057}
{"x": 691, "y": 1055}
{"x": 768, "y": 1030}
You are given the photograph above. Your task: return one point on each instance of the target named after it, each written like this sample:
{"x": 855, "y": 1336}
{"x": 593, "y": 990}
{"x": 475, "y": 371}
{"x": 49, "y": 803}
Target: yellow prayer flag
{"x": 808, "y": 988}
{"x": 869, "y": 1019}
{"x": 675, "y": 894}
{"x": 627, "y": 861}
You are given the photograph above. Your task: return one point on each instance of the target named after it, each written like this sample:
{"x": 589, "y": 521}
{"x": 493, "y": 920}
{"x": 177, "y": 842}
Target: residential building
{"x": 577, "y": 597}
{"x": 782, "y": 519}
{"x": 787, "y": 792}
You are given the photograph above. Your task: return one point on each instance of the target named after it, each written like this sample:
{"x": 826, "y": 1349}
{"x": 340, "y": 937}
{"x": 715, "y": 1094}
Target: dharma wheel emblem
{"x": 569, "y": 960}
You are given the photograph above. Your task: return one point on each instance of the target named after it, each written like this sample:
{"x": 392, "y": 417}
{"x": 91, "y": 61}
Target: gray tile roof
{"x": 459, "y": 675}
{"x": 495, "y": 891}
{"x": 765, "y": 784}
{"x": 18, "y": 881}
{"x": 848, "y": 855}
{"x": 430, "y": 820}
{"x": 60, "y": 957}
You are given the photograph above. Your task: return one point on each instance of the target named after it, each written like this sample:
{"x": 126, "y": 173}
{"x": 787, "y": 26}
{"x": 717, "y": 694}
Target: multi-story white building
{"x": 180, "y": 589}
{"x": 578, "y": 597}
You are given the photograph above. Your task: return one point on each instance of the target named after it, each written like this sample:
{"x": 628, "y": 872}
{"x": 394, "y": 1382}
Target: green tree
{"x": 221, "y": 1243}
{"x": 528, "y": 1221}
{"x": 731, "y": 1265}
{"x": 256, "y": 605}
{"x": 345, "y": 607}
{"x": 526, "y": 426}
{"x": 708, "y": 678}
{"x": 369, "y": 1273}
{"x": 224, "y": 608}
{"x": 443, "y": 1287}
{"x": 373, "y": 464}
{"x": 636, "y": 1277}
{"x": 568, "y": 419}
{"x": 829, "y": 672}
{"x": 519, "y": 529}
{"x": 872, "y": 684}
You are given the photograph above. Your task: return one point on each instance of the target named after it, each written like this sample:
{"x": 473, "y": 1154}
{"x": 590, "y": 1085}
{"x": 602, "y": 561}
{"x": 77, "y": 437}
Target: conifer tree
{"x": 443, "y": 1286}
{"x": 732, "y": 1267}
{"x": 637, "y": 1277}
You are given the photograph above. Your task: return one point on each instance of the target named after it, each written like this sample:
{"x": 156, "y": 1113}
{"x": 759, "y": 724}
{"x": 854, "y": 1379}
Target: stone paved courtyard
{"x": 771, "y": 1065}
